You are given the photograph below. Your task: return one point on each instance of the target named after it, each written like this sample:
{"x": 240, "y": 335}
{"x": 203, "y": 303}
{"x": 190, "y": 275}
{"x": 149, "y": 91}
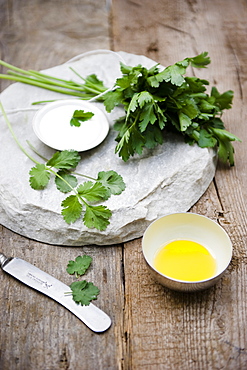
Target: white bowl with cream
{"x": 52, "y": 126}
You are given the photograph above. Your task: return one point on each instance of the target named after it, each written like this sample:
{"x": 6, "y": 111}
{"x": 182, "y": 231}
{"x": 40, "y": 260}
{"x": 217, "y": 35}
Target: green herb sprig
{"x": 160, "y": 101}
{"x": 82, "y": 292}
{"x": 79, "y": 266}
{"x": 82, "y": 202}
{"x": 80, "y": 116}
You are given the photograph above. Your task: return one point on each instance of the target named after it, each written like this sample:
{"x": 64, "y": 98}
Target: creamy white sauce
{"x": 52, "y": 126}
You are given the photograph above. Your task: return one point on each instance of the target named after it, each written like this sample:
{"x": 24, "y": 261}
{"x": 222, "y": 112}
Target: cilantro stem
{"x": 46, "y": 160}
{"x": 14, "y": 136}
{"x": 36, "y": 83}
{"x": 36, "y": 152}
{"x": 84, "y": 91}
{"x": 87, "y": 177}
{"x": 86, "y": 87}
{"x": 61, "y": 178}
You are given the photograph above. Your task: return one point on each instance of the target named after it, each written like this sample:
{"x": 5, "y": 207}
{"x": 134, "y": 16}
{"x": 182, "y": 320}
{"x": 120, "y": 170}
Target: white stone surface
{"x": 169, "y": 179}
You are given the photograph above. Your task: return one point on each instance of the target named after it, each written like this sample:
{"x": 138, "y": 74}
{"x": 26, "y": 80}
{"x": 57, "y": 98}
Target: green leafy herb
{"x": 64, "y": 160}
{"x": 111, "y": 181}
{"x": 83, "y": 292}
{"x": 80, "y": 116}
{"x": 80, "y": 204}
{"x": 79, "y": 266}
{"x": 157, "y": 101}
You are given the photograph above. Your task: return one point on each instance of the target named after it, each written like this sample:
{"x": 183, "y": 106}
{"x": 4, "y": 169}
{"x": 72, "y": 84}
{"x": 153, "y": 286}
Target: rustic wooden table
{"x": 153, "y": 328}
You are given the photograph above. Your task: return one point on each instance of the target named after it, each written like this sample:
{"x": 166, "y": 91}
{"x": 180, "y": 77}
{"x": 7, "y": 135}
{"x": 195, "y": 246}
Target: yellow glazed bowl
{"x": 193, "y": 227}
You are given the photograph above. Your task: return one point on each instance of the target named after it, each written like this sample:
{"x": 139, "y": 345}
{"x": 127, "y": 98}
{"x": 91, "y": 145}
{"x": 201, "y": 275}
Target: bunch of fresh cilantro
{"x": 157, "y": 101}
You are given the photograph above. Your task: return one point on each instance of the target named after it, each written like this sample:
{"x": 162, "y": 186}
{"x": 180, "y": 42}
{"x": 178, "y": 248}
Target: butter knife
{"x": 97, "y": 320}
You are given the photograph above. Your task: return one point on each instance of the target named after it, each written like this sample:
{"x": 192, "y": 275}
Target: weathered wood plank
{"x": 152, "y": 327}
{"x": 36, "y": 332}
{"x": 207, "y": 330}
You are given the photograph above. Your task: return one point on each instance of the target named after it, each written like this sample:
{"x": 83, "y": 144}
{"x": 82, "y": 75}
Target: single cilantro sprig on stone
{"x": 79, "y": 266}
{"x": 107, "y": 183}
{"x": 81, "y": 203}
{"x": 100, "y": 189}
{"x": 160, "y": 101}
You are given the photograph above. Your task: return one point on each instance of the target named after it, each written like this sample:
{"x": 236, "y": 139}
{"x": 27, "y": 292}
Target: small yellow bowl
{"x": 192, "y": 227}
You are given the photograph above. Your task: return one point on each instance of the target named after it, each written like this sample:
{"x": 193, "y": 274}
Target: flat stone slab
{"x": 170, "y": 178}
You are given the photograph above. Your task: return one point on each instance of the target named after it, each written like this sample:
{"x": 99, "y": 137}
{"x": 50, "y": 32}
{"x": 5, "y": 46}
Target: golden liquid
{"x": 185, "y": 260}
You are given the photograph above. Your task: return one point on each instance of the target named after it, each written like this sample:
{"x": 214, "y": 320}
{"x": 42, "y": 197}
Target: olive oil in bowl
{"x": 185, "y": 260}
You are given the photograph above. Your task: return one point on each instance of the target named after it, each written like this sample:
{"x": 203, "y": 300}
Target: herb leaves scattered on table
{"x": 79, "y": 266}
{"x": 83, "y": 292}
{"x": 157, "y": 101}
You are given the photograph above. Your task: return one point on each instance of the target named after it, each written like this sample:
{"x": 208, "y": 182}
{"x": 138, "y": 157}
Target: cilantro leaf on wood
{"x": 79, "y": 266}
{"x": 83, "y": 292}
{"x": 39, "y": 177}
{"x": 80, "y": 116}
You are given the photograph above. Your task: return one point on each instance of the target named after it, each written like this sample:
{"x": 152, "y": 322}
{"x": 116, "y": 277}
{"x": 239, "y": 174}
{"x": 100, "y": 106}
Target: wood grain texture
{"x": 207, "y": 330}
{"x": 153, "y": 328}
{"x": 36, "y": 332}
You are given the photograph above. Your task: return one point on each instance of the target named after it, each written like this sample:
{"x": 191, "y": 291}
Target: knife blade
{"x": 97, "y": 320}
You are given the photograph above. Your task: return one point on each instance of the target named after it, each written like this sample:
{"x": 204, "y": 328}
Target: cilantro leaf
{"x": 184, "y": 121}
{"x": 225, "y": 150}
{"x": 147, "y": 115}
{"x": 79, "y": 266}
{"x": 112, "y": 181}
{"x": 80, "y": 116}
{"x": 67, "y": 159}
{"x": 65, "y": 181}
{"x": 206, "y": 139}
{"x": 97, "y": 217}
{"x": 83, "y": 292}
{"x": 92, "y": 81}
{"x": 224, "y": 101}
{"x": 39, "y": 177}
{"x": 72, "y": 209}
{"x": 93, "y": 192}
{"x": 173, "y": 74}
{"x": 112, "y": 99}
{"x": 200, "y": 61}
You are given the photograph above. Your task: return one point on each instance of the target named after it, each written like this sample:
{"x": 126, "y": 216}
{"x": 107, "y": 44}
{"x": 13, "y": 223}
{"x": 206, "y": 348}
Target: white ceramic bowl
{"x": 193, "y": 227}
{"x": 52, "y": 126}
